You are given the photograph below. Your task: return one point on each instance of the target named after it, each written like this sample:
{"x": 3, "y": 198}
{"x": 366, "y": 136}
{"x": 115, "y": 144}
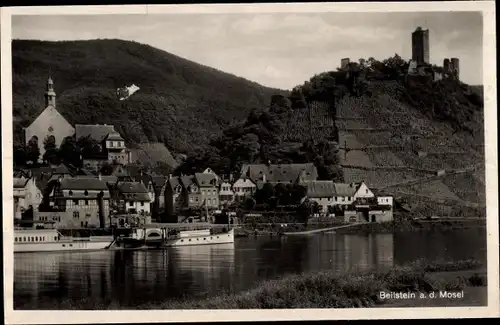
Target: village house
{"x": 111, "y": 144}
{"x": 354, "y": 201}
{"x": 155, "y": 185}
{"x": 174, "y": 197}
{"x": 283, "y": 173}
{"x": 76, "y": 203}
{"x": 131, "y": 204}
{"x": 27, "y": 195}
{"x": 243, "y": 188}
{"x": 226, "y": 194}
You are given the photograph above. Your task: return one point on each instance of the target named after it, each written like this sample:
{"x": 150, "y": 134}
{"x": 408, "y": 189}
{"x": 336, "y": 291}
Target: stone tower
{"x": 420, "y": 45}
{"x": 50, "y": 94}
{"x": 455, "y": 68}
{"x": 446, "y": 65}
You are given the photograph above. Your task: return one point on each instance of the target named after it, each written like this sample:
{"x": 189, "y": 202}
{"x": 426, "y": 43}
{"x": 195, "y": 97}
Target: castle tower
{"x": 50, "y": 94}
{"x": 446, "y": 65}
{"x": 420, "y": 45}
{"x": 344, "y": 63}
{"x": 455, "y": 67}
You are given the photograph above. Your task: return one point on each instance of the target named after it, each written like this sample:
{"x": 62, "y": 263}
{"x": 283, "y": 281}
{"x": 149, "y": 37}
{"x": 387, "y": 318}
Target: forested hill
{"x": 180, "y": 103}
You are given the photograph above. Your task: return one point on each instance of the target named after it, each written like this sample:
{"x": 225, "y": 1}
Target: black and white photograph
{"x": 341, "y": 161}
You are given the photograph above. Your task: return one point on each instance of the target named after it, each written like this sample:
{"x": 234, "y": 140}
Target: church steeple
{"x": 50, "y": 94}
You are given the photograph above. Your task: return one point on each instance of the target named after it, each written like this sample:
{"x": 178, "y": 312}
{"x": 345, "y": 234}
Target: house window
{"x": 366, "y": 191}
{"x": 86, "y": 202}
{"x": 75, "y": 202}
{"x": 142, "y": 204}
{"x": 131, "y": 203}
{"x": 87, "y": 215}
{"x": 76, "y": 214}
{"x": 110, "y": 143}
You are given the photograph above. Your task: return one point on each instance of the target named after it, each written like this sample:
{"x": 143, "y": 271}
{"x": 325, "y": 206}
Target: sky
{"x": 279, "y": 50}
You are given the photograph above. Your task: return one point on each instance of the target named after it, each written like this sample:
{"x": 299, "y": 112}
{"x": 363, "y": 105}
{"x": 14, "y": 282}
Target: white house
{"x": 226, "y": 194}
{"x": 243, "y": 188}
{"x": 26, "y": 194}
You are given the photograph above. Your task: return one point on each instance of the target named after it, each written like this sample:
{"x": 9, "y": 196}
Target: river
{"x": 135, "y": 277}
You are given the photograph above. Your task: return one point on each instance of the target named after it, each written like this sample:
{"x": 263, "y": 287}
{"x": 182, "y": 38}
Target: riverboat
{"x": 172, "y": 235}
{"x": 51, "y": 240}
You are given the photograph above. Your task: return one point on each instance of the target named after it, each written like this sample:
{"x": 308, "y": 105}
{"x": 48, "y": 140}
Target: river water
{"x": 135, "y": 277}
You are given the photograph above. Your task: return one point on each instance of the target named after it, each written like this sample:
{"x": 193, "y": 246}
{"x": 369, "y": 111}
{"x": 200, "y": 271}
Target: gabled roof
{"x": 113, "y": 136}
{"x": 284, "y": 173}
{"x": 205, "y": 179}
{"x": 320, "y": 189}
{"x": 94, "y": 131}
{"x": 20, "y": 182}
{"x": 132, "y": 187}
{"x": 174, "y": 182}
{"x": 91, "y": 184}
{"x": 342, "y": 189}
{"x": 133, "y": 191}
{"x": 187, "y": 180}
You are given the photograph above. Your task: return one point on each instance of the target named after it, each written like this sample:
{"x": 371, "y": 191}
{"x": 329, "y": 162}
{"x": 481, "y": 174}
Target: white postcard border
{"x": 490, "y": 118}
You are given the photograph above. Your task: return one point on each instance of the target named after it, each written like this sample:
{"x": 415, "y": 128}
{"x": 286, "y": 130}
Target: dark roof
{"x": 133, "y": 191}
{"x": 132, "y": 187}
{"x": 187, "y": 180}
{"x": 285, "y": 173}
{"x": 114, "y": 136}
{"x": 93, "y": 184}
{"x": 320, "y": 189}
{"x": 95, "y": 131}
{"x": 205, "y": 179}
{"x": 133, "y": 169}
{"x": 54, "y": 169}
{"x": 20, "y": 182}
{"x": 342, "y": 189}
{"x": 173, "y": 182}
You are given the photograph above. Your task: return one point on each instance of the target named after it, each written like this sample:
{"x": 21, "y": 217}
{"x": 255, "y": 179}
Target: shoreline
{"x": 246, "y": 230}
{"x": 328, "y": 289}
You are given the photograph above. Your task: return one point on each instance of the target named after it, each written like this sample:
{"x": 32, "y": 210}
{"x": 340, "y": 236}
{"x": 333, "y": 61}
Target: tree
{"x": 32, "y": 150}
{"x": 106, "y": 169}
{"x": 20, "y": 155}
{"x": 88, "y": 147}
{"x": 249, "y": 203}
{"x": 304, "y": 211}
{"x": 68, "y": 152}
{"x": 265, "y": 194}
{"x": 51, "y": 153}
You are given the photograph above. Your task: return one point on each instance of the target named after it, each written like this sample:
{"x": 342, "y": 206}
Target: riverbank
{"x": 328, "y": 289}
{"x": 247, "y": 230}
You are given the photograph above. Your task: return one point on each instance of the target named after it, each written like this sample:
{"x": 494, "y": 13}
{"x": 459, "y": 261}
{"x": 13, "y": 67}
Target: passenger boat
{"x": 172, "y": 235}
{"x": 51, "y": 240}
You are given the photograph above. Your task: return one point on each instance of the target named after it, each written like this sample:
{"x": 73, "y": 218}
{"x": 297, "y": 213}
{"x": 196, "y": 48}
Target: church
{"x": 51, "y": 124}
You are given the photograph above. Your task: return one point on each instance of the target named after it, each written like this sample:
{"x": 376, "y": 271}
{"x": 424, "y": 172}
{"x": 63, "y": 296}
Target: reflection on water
{"x": 133, "y": 277}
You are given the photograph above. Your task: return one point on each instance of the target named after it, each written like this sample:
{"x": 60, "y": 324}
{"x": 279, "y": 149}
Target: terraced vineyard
{"x": 407, "y": 138}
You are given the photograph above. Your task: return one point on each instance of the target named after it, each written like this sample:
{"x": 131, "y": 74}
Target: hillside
{"x": 372, "y": 124}
{"x": 180, "y": 103}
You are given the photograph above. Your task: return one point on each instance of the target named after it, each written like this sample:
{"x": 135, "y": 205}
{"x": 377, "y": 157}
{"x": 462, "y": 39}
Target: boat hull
{"x": 61, "y": 246}
{"x": 205, "y": 239}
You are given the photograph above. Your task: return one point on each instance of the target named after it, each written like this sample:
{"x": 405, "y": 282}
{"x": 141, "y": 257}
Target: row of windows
{"x": 46, "y": 218}
{"x": 31, "y": 239}
{"x": 204, "y": 238}
{"x": 76, "y": 215}
{"x": 196, "y": 199}
{"x": 116, "y": 144}
{"x": 132, "y": 203}
{"x": 208, "y": 192}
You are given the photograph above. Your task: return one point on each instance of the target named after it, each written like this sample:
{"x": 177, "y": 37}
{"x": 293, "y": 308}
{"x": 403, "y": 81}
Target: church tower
{"x": 50, "y": 94}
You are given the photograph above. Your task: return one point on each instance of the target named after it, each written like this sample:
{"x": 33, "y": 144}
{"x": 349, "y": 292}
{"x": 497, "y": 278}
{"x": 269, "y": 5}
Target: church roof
{"x": 95, "y": 131}
{"x": 113, "y": 136}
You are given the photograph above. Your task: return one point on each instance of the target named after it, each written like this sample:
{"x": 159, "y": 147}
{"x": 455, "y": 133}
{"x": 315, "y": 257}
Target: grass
{"x": 326, "y": 289}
